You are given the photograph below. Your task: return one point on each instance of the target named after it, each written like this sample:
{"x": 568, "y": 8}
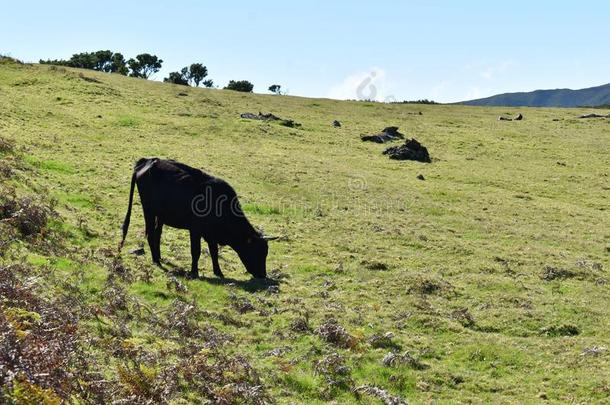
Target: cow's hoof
{"x": 192, "y": 276}
{"x": 219, "y": 275}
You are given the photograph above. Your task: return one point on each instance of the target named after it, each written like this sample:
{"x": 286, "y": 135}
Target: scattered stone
{"x": 290, "y": 123}
{"x": 387, "y": 135}
{"x": 519, "y": 117}
{"x": 561, "y": 163}
{"x": 336, "y": 124}
{"x": 182, "y": 94}
{"x": 420, "y": 177}
{"x": 411, "y": 150}
{"x": 593, "y": 116}
{"x": 593, "y": 351}
{"x": 138, "y": 251}
{"x": 270, "y": 117}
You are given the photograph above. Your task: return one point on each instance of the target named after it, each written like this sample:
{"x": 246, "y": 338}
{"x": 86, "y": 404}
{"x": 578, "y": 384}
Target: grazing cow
{"x": 180, "y": 196}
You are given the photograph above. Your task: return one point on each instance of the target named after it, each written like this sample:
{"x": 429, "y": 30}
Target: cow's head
{"x": 253, "y": 254}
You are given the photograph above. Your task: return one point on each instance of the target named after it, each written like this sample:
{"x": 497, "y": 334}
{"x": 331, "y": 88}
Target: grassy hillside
{"x": 593, "y": 96}
{"x": 488, "y": 280}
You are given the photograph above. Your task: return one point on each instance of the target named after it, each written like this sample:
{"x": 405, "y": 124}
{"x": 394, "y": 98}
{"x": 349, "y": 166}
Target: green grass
{"x": 494, "y": 210}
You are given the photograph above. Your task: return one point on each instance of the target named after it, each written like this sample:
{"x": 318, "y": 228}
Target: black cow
{"x": 180, "y": 196}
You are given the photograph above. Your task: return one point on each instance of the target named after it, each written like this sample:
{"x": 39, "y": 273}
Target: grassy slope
{"x": 495, "y": 209}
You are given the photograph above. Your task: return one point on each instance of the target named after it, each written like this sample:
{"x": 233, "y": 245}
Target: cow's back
{"x": 167, "y": 190}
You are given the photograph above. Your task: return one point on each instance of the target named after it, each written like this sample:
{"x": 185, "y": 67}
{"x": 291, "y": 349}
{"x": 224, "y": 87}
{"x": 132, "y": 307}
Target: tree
{"x": 197, "y": 72}
{"x": 119, "y": 65}
{"x": 181, "y": 77}
{"x": 275, "y": 88}
{"x": 103, "y": 61}
{"x": 144, "y": 65}
{"x": 208, "y": 83}
{"x": 240, "y": 85}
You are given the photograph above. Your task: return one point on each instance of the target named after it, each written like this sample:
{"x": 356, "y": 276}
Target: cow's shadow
{"x": 250, "y": 285}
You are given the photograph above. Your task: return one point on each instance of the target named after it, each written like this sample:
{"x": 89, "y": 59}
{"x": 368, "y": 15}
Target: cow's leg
{"x": 195, "y": 253}
{"x": 149, "y": 220}
{"x": 157, "y": 240}
{"x": 214, "y": 254}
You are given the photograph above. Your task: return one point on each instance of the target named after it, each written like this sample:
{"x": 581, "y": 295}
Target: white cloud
{"x": 370, "y": 85}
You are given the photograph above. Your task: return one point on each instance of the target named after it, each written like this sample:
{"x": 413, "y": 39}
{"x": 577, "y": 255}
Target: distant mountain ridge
{"x": 590, "y": 97}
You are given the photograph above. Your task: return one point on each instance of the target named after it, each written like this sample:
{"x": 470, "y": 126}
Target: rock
{"x": 336, "y": 124}
{"x": 594, "y": 116}
{"x": 270, "y": 117}
{"x": 420, "y": 177}
{"x": 290, "y": 123}
{"x": 388, "y": 134}
{"x": 138, "y": 252}
{"x": 519, "y": 117}
{"x": 411, "y": 150}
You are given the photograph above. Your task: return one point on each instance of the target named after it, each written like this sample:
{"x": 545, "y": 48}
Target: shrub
{"x": 181, "y": 77}
{"x": 6, "y": 146}
{"x": 335, "y": 372}
{"x": 333, "y": 333}
{"x": 24, "y": 214}
{"x": 240, "y": 85}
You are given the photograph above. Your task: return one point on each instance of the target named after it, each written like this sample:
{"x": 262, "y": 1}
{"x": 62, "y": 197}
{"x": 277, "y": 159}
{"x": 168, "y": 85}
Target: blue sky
{"x": 441, "y": 50}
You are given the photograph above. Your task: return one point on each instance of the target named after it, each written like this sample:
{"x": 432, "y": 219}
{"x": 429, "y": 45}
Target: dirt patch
{"x": 388, "y": 134}
{"x": 411, "y": 150}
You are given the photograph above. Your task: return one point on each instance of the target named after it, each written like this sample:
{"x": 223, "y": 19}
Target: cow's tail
{"x": 125, "y": 226}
